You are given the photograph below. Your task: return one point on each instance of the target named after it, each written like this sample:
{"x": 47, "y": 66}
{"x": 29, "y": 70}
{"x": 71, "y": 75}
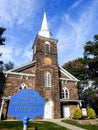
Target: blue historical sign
{"x": 26, "y": 103}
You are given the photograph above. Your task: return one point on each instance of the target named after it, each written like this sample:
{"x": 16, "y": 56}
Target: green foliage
{"x": 41, "y": 125}
{"x": 2, "y": 81}
{"x": 77, "y": 113}
{"x": 2, "y": 30}
{"x": 8, "y": 66}
{"x": 2, "y": 39}
{"x": 91, "y": 113}
{"x": 86, "y": 69}
{"x": 79, "y": 70}
{"x": 91, "y": 59}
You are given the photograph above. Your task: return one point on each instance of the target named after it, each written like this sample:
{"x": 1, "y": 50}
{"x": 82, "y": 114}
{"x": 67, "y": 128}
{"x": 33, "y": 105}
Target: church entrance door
{"x": 48, "y": 109}
{"x": 66, "y": 111}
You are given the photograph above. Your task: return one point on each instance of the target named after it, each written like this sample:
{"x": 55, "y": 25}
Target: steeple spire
{"x": 44, "y": 28}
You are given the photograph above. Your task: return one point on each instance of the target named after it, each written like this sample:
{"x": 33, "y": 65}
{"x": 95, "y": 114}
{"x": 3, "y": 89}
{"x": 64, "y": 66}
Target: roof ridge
{"x": 68, "y": 74}
{"x": 21, "y": 66}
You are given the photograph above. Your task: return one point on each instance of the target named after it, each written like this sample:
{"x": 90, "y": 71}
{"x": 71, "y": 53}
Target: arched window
{"x": 47, "y": 47}
{"x": 65, "y": 93}
{"x": 23, "y": 86}
{"x": 47, "y": 79}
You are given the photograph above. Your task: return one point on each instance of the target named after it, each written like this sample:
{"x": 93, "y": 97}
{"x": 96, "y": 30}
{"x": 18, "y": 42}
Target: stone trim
{"x": 66, "y": 79}
{"x": 22, "y": 67}
{"x": 51, "y": 39}
{"x": 71, "y": 100}
{"x": 18, "y": 74}
{"x": 6, "y": 98}
{"x": 48, "y": 39}
{"x": 70, "y": 76}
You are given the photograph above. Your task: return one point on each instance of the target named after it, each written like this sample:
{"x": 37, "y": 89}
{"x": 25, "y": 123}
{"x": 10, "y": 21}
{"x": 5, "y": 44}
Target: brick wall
{"x": 72, "y": 87}
{"x": 52, "y": 93}
{"x": 13, "y": 83}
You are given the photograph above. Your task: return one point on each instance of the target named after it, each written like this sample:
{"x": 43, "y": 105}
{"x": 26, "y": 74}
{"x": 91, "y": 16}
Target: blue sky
{"x": 72, "y": 22}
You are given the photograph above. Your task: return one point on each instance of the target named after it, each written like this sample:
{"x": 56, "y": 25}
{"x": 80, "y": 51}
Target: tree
{"x": 79, "y": 70}
{"x": 86, "y": 70}
{"x": 2, "y": 77}
{"x": 91, "y": 59}
{"x": 2, "y": 81}
{"x": 2, "y": 39}
{"x": 8, "y": 66}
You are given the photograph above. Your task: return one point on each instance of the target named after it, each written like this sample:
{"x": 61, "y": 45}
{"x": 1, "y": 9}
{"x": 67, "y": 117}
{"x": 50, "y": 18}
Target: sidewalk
{"x": 70, "y": 127}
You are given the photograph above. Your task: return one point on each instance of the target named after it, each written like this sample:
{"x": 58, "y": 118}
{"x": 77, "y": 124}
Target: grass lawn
{"x": 85, "y": 126}
{"x": 41, "y": 125}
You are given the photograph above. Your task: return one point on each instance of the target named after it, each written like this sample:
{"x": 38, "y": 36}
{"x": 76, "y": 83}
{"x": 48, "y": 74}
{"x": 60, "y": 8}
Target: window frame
{"x": 47, "y": 80}
{"x": 65, "y": 93}
{"x": 23, "y": 86}
{"x": 47, "y": 47}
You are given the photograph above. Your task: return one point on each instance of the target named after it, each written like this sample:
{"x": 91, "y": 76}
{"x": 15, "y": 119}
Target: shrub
{"x": 77, "y": 113}
{"x": 91, "y": 113}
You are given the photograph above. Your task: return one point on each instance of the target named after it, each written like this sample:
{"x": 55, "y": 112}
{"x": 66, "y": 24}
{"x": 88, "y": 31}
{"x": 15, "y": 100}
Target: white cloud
{"x": 28, "y": 52}
{"x": 71, "y": 33}
{"x": 7, "y": 53}
{"x": 76, "y": 4}
{"x": 16, "y": 16}
{"x": 74, "y": 33}
{"x": 16, "y": 11}
{"x": 16, "y": 53}
{"x": 16, "y": 50}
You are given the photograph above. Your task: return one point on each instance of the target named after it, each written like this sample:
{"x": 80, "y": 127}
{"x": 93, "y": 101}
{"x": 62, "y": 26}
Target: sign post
{"x": 25, "y": 123}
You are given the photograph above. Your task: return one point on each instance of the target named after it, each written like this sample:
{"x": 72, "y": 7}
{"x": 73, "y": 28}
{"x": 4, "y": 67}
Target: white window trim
{"x": 47, "y": 79}
{"x": 63, "y": 92}
{"x": 23, "y": 86}
{"x": 47, "y": 43}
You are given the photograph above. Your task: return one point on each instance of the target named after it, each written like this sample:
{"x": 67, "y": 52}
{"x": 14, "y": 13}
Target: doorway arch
{"x": 48, "y": 108}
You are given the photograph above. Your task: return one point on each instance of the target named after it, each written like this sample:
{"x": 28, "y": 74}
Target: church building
{"x": 56, "y": 85}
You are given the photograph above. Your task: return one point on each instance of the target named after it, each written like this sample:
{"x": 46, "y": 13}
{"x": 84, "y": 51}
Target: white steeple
{"x": 44, "y": 28}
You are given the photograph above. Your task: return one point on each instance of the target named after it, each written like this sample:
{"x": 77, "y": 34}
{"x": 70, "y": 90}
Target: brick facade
{"x": 72, "y": 87}
{"x": 13, "y": 83}
{"x": 52, "y": 93}
{"x": 33, "y": 75}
